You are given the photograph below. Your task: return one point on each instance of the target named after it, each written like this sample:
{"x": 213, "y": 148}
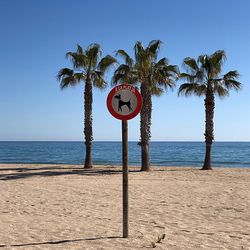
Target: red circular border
{"x": 117, "y": 115}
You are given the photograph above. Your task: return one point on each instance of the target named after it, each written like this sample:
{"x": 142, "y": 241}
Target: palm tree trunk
{"x": 145, "y": 125}
{"x": 209, "y": 127}
{"x": 88, "y": 123}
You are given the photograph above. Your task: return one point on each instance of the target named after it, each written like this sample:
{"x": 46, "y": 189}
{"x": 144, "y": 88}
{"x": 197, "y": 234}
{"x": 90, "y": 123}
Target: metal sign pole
{"x": 125, "y": 176}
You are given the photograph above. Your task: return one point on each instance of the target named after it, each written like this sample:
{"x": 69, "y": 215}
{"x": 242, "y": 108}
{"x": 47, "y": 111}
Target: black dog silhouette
{"x": 122, "y": 103}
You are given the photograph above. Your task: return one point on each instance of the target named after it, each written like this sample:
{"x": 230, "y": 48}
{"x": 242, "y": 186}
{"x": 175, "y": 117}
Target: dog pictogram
{"x": 124, "y": 95}
{"x": 122, "y": 103}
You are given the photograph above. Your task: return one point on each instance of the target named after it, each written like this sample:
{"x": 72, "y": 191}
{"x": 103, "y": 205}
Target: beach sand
{"x": 65, "y": 207}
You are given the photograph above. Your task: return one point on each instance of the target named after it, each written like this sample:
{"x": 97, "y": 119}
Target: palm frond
{"x": 106, "y": 62}
{"x": 188, "y": 89}
{"x": 132, "y": 77}
{"x": 230, "y": 80}
{"x": 118, "y": 78}
{"x": 190, "y": 64}
{"x": 73, "y": 57}
{"x": 220, "y": 90}
{"x": 201, "y": 89}
{"x": 200, "y": 76}
{"x": 216, "y": 61}
{"x": 123, "y": 69}
{"x": 68, "y": 81}
{"x": 138, "y": 47}
{"x": 121, "y": 74}
{"x": 162, "y": 62}
{"x": 173, "y": 69}
{"x": 232, "y": 84}
{"x": 125, "y": 74}
{"x": 93, "y": 52}
{"x": 78, "y": 60}
{"x": 167, "y": 83}
{"x": 231, "y": 75}
{"x": 64, "y": 72}
{"x": 140, "y": 54}
{"x": 163, "y": 78}
{"x": 156, "y": 91}
{"x": 153, "y": 48}
{"x": 123, "y": 54}
{"x": 79, "y": 49}
{"x": 189, "y": 77}
{"x": 98, "y": 79}
{"x": 68, "y": 77}
{"x": 80, "y": 76}
{"x": 218, "y": 57}
{"x": 184, "y": 75}
{"x": 203, "y": 60}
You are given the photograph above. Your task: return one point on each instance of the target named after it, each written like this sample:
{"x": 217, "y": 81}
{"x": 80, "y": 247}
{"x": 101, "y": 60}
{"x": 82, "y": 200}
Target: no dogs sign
{"x": 124, "y": 102}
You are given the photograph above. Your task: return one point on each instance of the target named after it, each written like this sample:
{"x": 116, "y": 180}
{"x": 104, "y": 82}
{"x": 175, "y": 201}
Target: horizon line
{"x": 115, "y": 141}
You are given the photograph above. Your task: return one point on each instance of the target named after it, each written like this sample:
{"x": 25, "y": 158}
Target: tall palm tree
{"x": 90, "y": 68}
{"x": 204, "y": 78}
{"x": 153, "y": 76}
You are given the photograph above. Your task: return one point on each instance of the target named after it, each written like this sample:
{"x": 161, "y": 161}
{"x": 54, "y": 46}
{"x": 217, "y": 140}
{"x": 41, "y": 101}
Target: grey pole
{"x": 125, "y": 176}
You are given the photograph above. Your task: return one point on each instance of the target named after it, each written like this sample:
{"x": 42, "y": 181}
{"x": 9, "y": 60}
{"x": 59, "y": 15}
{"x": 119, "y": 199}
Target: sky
{"x": 35, "y": 35}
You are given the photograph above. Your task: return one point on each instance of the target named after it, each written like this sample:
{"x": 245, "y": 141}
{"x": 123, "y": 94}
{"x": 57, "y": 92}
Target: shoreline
{"x": 154, "y": 167}
{"x": 53, "y": 206}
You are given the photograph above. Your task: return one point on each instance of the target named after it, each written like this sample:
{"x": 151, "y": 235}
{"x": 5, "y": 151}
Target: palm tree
{"x": 153, "y": 76}
{"x": 204, "y": 78}
{"x": 90, "y": 68}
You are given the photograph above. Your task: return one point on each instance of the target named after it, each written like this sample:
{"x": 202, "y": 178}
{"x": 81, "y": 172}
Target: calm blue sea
{"x": 227, "y": 154}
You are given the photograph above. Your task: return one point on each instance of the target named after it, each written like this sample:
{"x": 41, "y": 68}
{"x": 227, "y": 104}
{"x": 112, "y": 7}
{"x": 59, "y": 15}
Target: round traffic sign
{"x": 124, "y": 102}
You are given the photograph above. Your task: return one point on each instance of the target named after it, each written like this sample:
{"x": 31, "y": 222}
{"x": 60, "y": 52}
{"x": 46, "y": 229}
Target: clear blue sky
{"x": 35, "y": 35}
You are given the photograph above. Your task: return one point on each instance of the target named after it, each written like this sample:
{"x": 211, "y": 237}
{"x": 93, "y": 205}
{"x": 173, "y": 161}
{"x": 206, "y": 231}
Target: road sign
{"x": 124, "y": 102}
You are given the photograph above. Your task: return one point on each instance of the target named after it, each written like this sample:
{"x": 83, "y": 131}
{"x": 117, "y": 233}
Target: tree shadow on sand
{"x": 48, "y": 171}
{"x": 60, "y": 241}
{"x": 57, "y": 170}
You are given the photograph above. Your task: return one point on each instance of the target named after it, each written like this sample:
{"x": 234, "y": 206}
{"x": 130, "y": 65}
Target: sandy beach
{"x": 66, "y": 207}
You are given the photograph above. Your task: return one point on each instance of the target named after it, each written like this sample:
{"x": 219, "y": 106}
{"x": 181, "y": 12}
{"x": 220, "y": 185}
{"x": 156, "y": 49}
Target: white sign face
{"x": 124, "y": 102}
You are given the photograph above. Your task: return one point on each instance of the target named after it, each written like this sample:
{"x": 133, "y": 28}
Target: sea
{"x": 224, "y": 154}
